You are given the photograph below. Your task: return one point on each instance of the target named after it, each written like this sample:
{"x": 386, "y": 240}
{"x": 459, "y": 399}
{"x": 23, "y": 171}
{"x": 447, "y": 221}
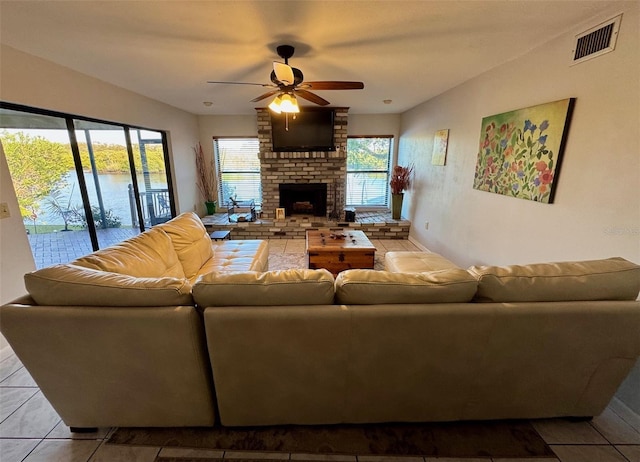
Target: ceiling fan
{"x": 288, "y": 82}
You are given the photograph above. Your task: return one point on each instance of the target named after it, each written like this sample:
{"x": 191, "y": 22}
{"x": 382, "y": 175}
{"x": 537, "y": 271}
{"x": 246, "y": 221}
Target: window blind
{"x": 238, "y": 168}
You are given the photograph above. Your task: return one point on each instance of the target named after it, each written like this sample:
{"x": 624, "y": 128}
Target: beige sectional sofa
{"x": 115, "y": 338}
{"x": 424, "y": 340}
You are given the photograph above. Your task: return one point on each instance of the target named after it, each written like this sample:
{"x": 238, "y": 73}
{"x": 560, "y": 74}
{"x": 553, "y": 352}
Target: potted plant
{"x": 205, "y": 180}
{"x": 400, "y": 180}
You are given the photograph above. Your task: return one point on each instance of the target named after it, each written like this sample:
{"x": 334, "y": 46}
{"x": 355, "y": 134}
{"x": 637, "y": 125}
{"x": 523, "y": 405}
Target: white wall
{"x": 596, "y": 212}
{"x": 15, "y": 254}
{"x": 374, "y": 124}
{"x": 32, "y": 81}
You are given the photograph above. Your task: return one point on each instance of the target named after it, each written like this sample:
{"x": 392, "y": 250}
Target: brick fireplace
{"x": 303, "y": 168}
{"x": 306, "y": 169}
{"x": 304, "y": 199}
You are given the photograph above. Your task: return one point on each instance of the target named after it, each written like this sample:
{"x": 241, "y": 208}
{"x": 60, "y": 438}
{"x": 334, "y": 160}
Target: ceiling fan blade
{"x": 310, "y": 97}
{"x": 266, "y": 95}
{"x": 242, "y": 83}
{"x": 334, "y": 85}
{"x": 283, "y": 72}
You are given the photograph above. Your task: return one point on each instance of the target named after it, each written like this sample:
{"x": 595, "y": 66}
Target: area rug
{"x": 285, "y": 261}
{"x": 513, "y": 439}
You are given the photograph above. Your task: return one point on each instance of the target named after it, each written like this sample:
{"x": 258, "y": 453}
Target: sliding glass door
{"x": 150, "y": 164}
{"x": 83, "y": 184}
{"x": 107, "y": 174}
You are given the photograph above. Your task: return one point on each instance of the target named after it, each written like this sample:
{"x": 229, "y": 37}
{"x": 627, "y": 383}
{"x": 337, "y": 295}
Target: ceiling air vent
{"x": 596, "y": 41}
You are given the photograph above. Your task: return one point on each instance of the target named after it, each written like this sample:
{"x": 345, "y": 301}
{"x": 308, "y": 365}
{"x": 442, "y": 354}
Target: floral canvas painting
{"x": 520, "y": 151}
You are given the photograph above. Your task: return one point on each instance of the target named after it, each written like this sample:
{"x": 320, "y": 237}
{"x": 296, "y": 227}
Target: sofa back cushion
{"x": 416, "y": 262}
{"x": 190, "y": 241}
{"x": 369, "y": 287}
{"x": 147, "y": 255}
{"x": 77, "y": 286}
{"x": 287, "y": 287}
{"x": 607, "y": 279}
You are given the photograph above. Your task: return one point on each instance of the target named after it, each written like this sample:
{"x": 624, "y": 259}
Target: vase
{"x": 396, "y": 205}
{"x": 211, "y": 207}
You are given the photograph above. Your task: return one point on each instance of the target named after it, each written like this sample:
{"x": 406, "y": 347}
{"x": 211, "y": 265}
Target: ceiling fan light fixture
{"x": 289, "y": 104}
{"x": 275, "y": 105}
{"x": 285, "y": 103}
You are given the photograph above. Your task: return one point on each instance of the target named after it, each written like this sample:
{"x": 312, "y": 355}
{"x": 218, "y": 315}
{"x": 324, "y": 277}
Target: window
{"x": 368, "y": 171}
{"x": 238, "y": 169}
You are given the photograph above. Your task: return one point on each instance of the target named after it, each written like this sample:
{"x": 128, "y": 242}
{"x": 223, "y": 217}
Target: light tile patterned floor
{"x": 31, "y": 431}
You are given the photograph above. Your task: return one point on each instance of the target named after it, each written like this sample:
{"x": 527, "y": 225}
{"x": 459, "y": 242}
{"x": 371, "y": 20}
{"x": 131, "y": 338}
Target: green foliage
{"x": 37, "y": 167}
{"x": 113, "y": 158}
{"x": 110, "y": 220}
{"x": 368, "y": 153}
{"x": 61, "y": 207}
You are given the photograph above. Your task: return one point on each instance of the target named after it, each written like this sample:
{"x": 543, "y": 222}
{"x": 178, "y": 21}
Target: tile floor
{"x": 31, "y": 430}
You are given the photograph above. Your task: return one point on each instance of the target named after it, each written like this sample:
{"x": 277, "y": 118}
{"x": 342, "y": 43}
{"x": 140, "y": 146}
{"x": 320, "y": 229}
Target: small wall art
{"x": 280, "y": 214}
{"x": 440, "y": 142}
{"x": 520, "y": 151}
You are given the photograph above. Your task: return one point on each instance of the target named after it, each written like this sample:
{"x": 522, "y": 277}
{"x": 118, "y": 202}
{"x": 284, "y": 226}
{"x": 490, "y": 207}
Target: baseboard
{"x": 418, "y": 245}
{"x": 625, "y": 413}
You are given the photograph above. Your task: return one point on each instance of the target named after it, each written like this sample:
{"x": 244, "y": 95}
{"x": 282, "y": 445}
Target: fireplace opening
{"x": 304, "y": 198}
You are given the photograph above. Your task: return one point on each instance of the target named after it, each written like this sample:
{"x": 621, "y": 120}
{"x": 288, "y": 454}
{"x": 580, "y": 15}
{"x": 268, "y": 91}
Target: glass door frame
{"x": 82, "y": 185}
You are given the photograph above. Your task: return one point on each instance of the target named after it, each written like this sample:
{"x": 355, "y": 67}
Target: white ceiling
{"x": 405, "y": 51}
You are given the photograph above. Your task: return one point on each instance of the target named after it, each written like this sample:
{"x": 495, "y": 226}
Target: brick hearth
{"x": 376, "y": 225}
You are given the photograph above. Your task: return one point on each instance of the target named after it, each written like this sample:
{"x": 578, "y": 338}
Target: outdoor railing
{"x": 155, "y": 204}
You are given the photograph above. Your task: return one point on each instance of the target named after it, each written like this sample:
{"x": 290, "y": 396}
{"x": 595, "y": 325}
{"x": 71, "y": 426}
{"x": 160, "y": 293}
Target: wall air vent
{"x": 596, "y": 41}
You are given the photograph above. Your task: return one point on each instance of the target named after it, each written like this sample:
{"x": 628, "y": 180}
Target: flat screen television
{"x": 311, "y": 130}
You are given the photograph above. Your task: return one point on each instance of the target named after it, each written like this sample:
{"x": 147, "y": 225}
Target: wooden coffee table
{"x": 339, "y": 249}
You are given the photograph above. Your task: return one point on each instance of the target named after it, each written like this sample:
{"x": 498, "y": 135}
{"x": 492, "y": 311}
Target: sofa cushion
{"x": 238, "y": 255}
{"x": 75, "y": 285}
{"x": 416, "y": 262}
{"x": 607, "y": 279}
{"x": 369, "y": 287}
{"x": 287, "y": 287}
{"x": 147, "y": 255}
{"x": 190, "y": 241}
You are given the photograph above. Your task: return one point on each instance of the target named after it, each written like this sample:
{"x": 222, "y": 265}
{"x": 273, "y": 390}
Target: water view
{"x": 115, "y": 194}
